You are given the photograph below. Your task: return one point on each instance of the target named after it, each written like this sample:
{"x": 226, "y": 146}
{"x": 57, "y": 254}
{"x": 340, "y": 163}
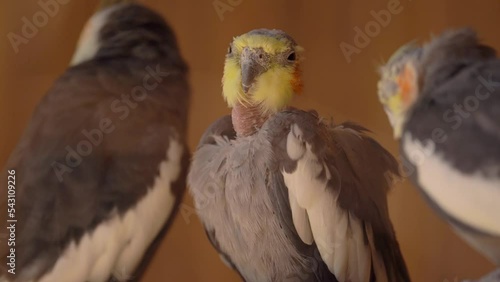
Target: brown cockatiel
{"x": 283, "y": 195}
{"x": 101, "y": 167}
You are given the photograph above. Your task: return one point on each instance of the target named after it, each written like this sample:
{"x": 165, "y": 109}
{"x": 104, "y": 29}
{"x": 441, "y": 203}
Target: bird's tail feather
{"x": 388, "y": 262}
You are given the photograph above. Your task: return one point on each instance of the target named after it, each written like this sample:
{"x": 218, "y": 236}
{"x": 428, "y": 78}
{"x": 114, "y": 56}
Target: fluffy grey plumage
{"x": 135, "y": 83}
{"x": 238, "y": 186}
{"x": 451, "y": 134}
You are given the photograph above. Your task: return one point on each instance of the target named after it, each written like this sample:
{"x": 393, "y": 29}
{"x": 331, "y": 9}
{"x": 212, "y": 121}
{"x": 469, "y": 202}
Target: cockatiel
{"x": 283, "y": 195}
{"x": 102, "y": 164}
{"x": 443, "y": 101}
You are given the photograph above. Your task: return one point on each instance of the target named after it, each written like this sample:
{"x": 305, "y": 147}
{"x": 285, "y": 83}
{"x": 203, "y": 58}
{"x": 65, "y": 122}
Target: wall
{"x": 333, "y": 86}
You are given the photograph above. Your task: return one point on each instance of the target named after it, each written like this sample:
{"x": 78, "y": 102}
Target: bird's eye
{"x": 396, "y": 70}
{"x": 229, "y": 50}
{"x": 291, "y": 57}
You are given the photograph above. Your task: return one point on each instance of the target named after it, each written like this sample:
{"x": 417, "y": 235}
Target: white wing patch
{"x": 301, "y": 219}
{"x": 315, "y": 211}
{"x": 88, "y": 43}
{"x": 471, "y": 198}
{"x": 117, "y": 245}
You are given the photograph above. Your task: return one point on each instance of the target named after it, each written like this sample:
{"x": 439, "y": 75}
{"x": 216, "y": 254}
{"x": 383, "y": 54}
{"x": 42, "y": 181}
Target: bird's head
{"x": 126, "y": 30}
{"x": 262, "y": 69}
{"x": 398, "y": 85}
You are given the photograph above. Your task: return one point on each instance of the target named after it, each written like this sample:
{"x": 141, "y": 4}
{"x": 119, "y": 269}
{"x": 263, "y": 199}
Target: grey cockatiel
{"x": 284, "y": 195}
{"x": 443, "y": 99}
{"x": 101, "y": 167}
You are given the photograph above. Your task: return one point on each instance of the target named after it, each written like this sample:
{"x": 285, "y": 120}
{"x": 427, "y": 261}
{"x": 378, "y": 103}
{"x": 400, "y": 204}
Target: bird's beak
{"x": 104, "y": 4}
{"x": 397, "y": 120}
{"x": 250, "y": 69}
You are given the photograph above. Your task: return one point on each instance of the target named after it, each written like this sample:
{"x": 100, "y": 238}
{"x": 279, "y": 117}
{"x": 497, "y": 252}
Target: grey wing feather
{"x": 358, "y": 170}
{"x": 315, "y": 268}
{"x": 53, "y": 209}
{"x": 372, "y": 170}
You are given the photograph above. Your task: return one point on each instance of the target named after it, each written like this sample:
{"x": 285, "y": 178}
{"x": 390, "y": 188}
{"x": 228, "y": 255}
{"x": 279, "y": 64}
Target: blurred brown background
{"x": 334, "y": 87}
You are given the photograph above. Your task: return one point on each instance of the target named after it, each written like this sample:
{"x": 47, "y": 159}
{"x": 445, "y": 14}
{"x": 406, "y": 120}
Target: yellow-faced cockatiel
{"x": 284, "y": 196}
{"x": 443, "y": 101}
{"x": 101, "y": 166}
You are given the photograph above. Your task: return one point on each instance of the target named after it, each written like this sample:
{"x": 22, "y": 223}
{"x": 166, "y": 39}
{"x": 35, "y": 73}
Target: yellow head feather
{"x": 271, "y": 45}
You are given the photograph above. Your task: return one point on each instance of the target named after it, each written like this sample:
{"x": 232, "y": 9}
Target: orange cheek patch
{"x": 297, "y": 85}
{"x": 406, "y": 83}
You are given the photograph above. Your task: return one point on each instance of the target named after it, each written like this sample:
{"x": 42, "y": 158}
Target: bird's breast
{"x": 245, "y": 217}
{"x": 471, "y": 198}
